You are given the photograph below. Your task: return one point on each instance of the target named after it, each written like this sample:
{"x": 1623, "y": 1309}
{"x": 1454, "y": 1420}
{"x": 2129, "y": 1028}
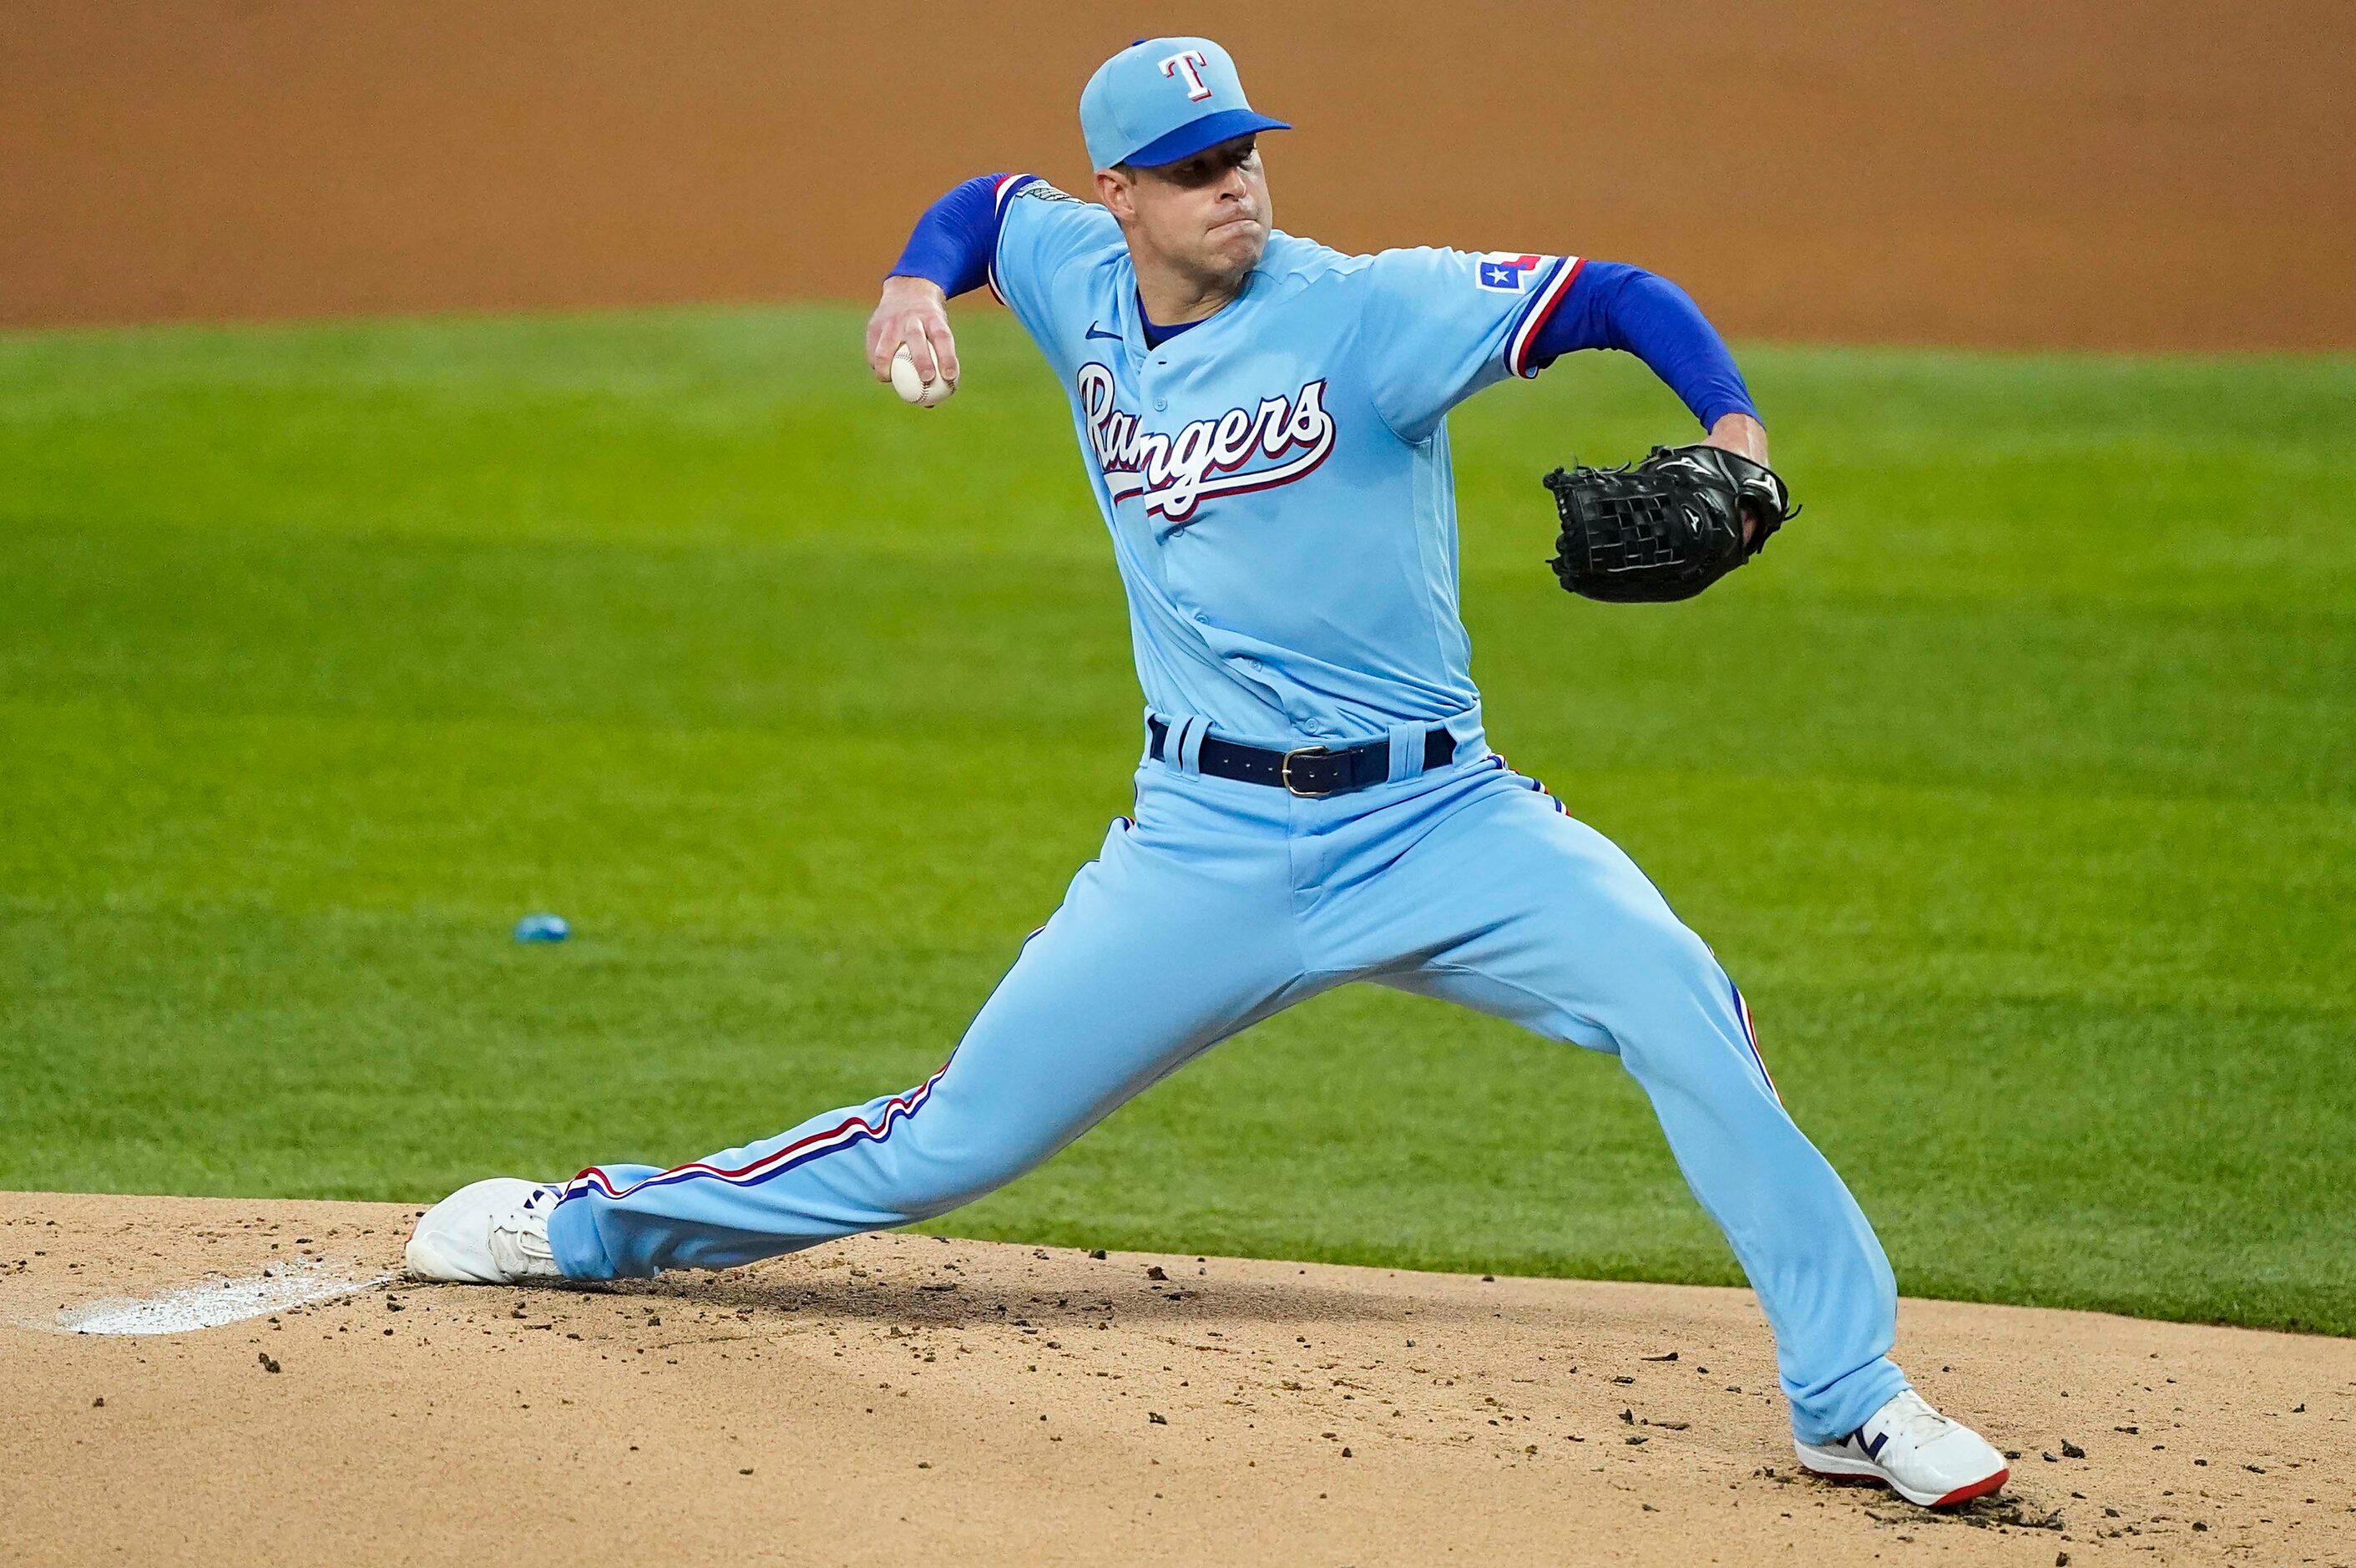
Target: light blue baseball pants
{"x": 1223, "y": 903}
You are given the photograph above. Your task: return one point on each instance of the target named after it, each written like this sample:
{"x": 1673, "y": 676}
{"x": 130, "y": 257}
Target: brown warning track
{"x": 901, "y": 1398}
{"x": 2116, "y": 173}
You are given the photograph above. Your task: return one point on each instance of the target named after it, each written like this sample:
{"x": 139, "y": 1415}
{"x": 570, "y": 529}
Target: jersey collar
{"x": 1193, "y": 333}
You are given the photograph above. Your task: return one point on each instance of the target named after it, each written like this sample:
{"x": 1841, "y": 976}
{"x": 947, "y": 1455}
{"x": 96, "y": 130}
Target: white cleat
{"x": 490, "y": 1232}
{"x": 1918, "y": 1453}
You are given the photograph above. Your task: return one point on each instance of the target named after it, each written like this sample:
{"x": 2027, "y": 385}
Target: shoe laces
{"x": 528, "y": 1222}
{"x": 1910, "y": 1416}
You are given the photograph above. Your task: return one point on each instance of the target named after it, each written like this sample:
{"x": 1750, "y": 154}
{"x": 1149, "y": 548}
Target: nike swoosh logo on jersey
{"x": 1097, "y": 332}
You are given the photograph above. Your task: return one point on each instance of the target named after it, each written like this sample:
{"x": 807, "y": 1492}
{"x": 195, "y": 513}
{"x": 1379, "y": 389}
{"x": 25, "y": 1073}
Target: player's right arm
{"x": 948, "y": 253}
{"x": 1014, "y": 232}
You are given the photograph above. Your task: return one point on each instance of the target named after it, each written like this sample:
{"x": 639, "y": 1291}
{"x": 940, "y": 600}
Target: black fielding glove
{"x": 1665, "y": 529}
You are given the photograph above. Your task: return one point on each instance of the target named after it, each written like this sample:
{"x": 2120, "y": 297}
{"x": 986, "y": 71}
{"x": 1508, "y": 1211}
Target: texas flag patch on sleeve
{"x": 1508, "y": 272}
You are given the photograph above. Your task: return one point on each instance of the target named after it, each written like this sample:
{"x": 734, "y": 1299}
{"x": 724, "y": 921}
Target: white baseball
{"x": 914, "y": 388}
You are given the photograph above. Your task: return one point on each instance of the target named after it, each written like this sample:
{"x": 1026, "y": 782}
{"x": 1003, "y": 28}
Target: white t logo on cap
{"x": 1190, "y": 64}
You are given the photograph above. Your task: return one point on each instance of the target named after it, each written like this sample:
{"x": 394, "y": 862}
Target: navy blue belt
{"x": 1311, "y": 772}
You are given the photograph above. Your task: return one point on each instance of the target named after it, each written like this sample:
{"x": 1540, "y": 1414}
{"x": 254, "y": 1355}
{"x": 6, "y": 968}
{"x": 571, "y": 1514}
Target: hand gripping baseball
{"x": 1667, "y": 528}
{"x": 910, "y": 345}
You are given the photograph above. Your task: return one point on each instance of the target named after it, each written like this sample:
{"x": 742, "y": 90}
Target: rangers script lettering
{"x": 1177, "y": 473}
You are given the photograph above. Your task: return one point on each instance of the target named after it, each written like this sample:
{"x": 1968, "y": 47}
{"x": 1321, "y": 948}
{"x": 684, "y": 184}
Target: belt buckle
{"x": 1284, "y": 772}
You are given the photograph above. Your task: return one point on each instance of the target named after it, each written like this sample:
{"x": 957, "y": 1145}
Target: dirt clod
{"x": 2005, "y": 1511}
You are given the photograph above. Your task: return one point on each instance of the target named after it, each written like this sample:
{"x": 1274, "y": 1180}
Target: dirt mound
{"x": 2161, "y": 174}
{"x": 902, "y": 1399}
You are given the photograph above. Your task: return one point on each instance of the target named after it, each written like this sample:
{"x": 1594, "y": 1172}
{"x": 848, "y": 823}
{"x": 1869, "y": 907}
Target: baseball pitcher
{"x": 1264, "y": 422}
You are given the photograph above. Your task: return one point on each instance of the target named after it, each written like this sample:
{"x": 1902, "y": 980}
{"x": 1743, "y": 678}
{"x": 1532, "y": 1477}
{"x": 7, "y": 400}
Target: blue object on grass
{"x": 542, "y": 929}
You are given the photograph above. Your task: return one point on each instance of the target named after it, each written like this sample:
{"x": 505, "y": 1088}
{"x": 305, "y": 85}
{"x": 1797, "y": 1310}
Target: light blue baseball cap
{"x": 1161, "y": 100}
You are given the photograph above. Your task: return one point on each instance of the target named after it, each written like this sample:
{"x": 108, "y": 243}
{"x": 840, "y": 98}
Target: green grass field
{"x": 2015, "y": 784}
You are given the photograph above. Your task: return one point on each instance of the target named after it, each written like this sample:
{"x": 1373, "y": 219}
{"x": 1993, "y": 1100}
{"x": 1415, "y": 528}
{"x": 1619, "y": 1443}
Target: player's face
{"x": 1206, "y": 215}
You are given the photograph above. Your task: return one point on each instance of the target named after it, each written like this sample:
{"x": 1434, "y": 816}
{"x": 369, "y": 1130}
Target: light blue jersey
{"x": 1277, "y": 479}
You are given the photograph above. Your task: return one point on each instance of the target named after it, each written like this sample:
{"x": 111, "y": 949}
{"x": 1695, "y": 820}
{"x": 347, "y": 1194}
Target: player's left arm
{"x": 1610, "y": 305}
{"x": 1615, "y": 305}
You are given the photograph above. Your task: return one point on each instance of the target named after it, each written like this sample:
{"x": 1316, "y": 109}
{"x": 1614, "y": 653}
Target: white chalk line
{"x": 215, "y": 1302}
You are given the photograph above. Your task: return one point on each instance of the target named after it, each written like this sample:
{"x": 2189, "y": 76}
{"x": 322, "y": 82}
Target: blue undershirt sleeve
{"x": 1614, "y": 306}
{"x": 953, "y": 242}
